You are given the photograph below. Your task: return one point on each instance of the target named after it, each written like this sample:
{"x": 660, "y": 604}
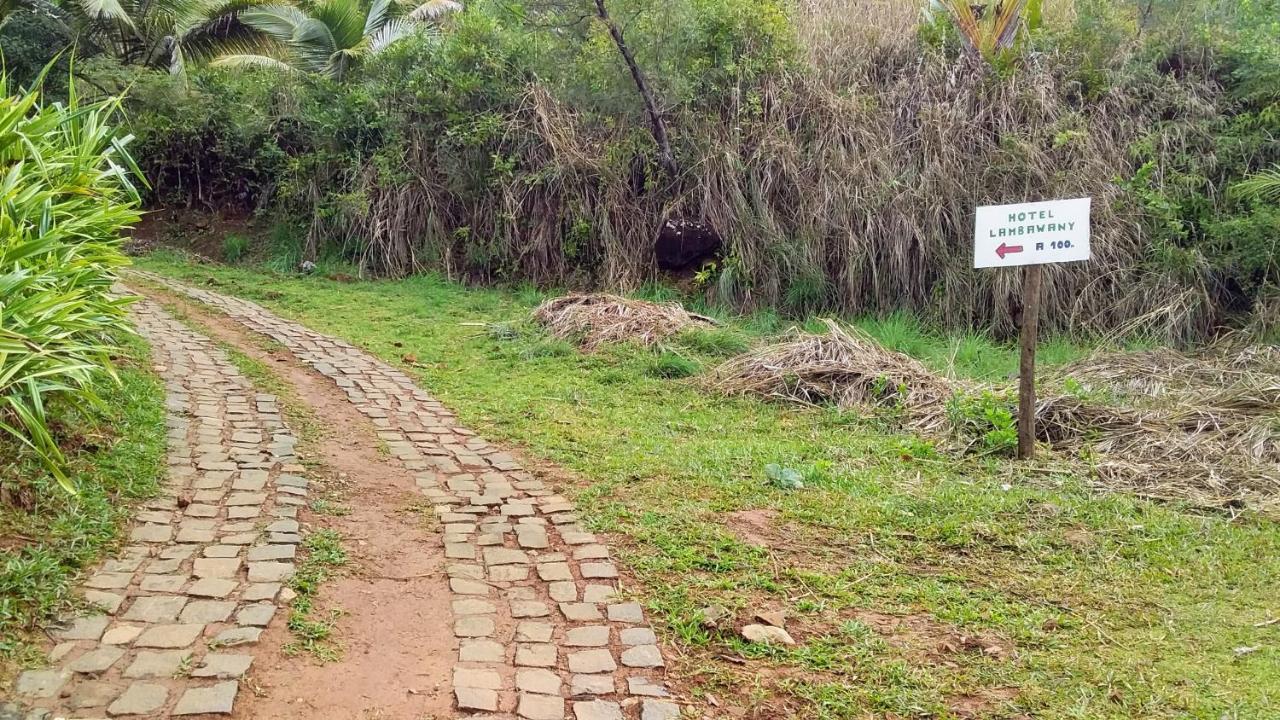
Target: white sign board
{"x": 1032, "y": 233}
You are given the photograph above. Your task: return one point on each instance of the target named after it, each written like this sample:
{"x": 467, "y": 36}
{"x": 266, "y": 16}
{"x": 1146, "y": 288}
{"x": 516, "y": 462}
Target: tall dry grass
{"x": 851, "y": 185}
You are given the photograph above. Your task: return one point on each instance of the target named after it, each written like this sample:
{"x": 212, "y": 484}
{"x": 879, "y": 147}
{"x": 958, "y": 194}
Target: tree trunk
{"x": 657, "y": 126}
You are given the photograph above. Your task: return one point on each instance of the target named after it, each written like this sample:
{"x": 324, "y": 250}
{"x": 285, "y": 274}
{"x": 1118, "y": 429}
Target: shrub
{"x": 234, "y": 247}
{"x": 67, "y": 196}
{"x": 673, "y": 365}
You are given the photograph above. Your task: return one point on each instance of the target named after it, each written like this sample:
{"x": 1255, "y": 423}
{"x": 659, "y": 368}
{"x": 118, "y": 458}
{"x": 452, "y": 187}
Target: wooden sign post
{"x": 1030, "y": 235}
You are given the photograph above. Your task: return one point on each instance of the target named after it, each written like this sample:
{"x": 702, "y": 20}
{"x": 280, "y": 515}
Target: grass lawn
{"x": 916, "y": 585}
{"x": 47, "y": 536}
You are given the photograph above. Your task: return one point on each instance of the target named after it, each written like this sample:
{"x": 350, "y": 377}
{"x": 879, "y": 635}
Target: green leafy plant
{"x": 65, "y": 195}
{"x": 783, "y": 478}
{"x": 987, "y": 420}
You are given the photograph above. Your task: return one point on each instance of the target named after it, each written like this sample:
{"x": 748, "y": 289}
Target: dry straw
{"x": 593, "y": 319}
{"x": 1159, "y": 424}
{"x": 841, "y": 367}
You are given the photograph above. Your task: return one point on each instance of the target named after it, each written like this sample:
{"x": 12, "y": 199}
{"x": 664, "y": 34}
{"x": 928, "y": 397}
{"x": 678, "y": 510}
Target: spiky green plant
{"x": 990, "y": 30}
{"x": 65, "y": 195}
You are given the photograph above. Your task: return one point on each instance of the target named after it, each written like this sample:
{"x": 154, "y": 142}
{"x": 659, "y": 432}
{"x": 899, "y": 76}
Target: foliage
{"x": 673, "y": 365}
{"x": 987, "y": 420}
{"x": 330, "y": 37}
{"x": 65, "y": 196}
{"x": 783, "y": 478}
{"x": 513, "y": 147}
{"x": 115, "y": 457}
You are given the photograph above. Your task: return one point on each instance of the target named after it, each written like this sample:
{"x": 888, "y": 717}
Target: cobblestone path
{"x": 186, "y": 600}
{"x": 541, "y": 634}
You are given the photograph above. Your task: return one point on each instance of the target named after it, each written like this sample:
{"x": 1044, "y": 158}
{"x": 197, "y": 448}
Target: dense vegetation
{"x": 65, "y": 196}
{"x": 837, "y": 151}
{"x": 75, "y": 408}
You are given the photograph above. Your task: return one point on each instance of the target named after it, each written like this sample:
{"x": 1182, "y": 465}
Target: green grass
{"x": 312, "y": 629}
{"x": 1103, "y": 606}
{"x": 116, "y": 455}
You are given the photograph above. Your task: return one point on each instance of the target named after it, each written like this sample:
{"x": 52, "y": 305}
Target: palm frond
{"x": 1263, "y": 185}
{"x": 106, "y": 10}
{"x": 391, "y": 32}
{"x": 251, "y": 61}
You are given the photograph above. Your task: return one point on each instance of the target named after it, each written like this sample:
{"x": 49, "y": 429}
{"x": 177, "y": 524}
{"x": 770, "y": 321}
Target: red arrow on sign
{"x": 1006, "y": 249}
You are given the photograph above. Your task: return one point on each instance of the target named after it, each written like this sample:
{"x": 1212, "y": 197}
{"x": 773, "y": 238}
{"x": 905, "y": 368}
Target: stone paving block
{"x": 216, "y": 567}
{"x": 90, "y": 695}
{"x": 659, "y": 710}
{"x": 272, "y": 552}
{"x": 597, "y": 710}
{"x": 642, "y": 656}
{"x": 645, "y": 686}
{"x": 219, "y": 698}
{"x": 150, "y": 664}
{"x": 472, "y": 606}
{"x": 41, "y": 683}
{"x": 531, "y": 631}
{"x": 270, "y": 571}
{"x": 139, "y": 699}
{"x": 591, "y": 636}
{"x": 212, "y": 587}
{"x": 598, "y": 570}
{"x": 481, "y": 651}
{"x": 223, "y": 666}
{"x": 96, "y": 660}
{"x": 536, "y": 655}
{"x": 529, "y": 609}
{"x": 469, "y": 698}
{"x": 155, "y": 608}
{"x": 540, "y": 707}
{"x": 473, "y": 626}
{"x": 554, "y": 572}
{"x": 592, "y": 661}
{"x": 581, "y": 612}
{"x": 237, "y": 636}
{"x": 538, "y": 680}
{"x": 106, "y": 601}
{"x": 207, "y": 611}
{"x": 169, "y": 636}
{"x": 163, "y": 583}
{"x": 89, "y": 627}
{"x": 121, "y": 635}
{"x": 152, "y": 533}
{"x": 626, "y": 613}
{"x": 256, "y": 615}
{"x": 638, "y": 636}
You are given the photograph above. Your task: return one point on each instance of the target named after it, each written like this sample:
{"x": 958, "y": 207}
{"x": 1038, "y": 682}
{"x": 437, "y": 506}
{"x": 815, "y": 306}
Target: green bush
{"x": 673, "y": 365}
{"x": 234, "y": 247}
{"x": 67, "y": 195}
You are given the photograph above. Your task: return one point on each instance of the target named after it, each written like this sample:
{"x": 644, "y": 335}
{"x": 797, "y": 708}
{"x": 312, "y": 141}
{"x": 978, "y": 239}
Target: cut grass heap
{"x": 841, "y": 367}
{"x": 601, "y": 318}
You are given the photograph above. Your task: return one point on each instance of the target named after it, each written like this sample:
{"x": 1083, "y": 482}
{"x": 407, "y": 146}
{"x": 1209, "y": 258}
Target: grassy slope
{"x": 117, "y": 458}
{"x": 1117, "y": 608}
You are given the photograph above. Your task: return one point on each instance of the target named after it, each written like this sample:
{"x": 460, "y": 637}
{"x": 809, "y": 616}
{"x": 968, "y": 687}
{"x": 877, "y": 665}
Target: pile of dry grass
{"x": 593, "y": 319}
{"x": 1158, "y": 424}
{"x": 842, "y": 367}
{"x": 1204, "y": 428}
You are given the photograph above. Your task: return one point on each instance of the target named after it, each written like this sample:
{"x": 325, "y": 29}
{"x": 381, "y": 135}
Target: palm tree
{"x": 330, "y": 37}
{"x": 155, "y": 33}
